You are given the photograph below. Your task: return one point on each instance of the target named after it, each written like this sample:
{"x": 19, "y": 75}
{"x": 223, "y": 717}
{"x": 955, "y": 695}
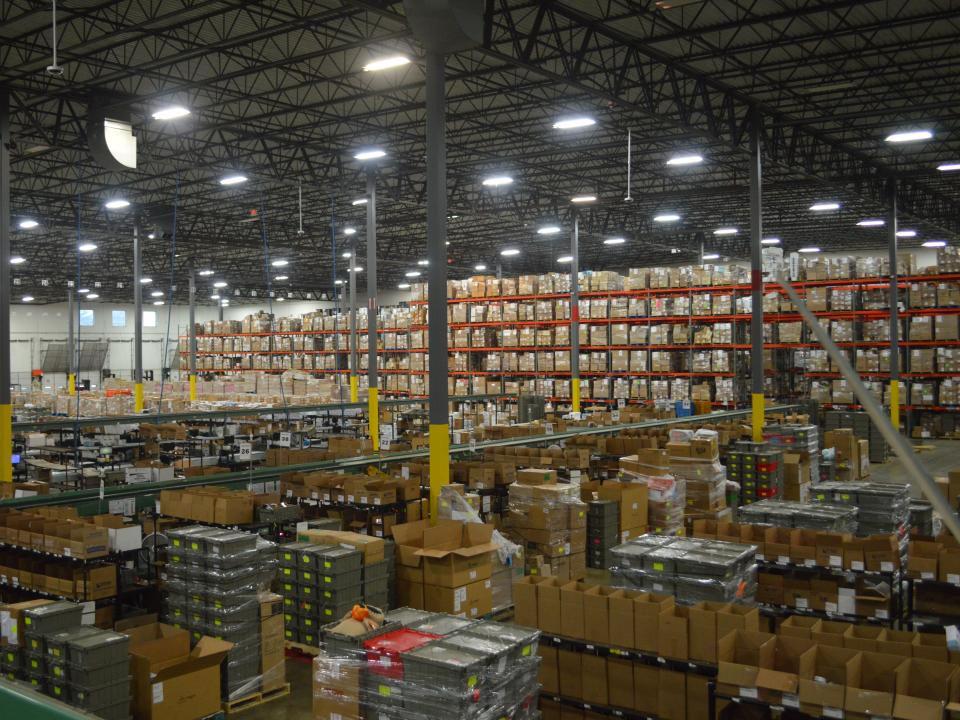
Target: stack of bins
{"x": 56, "y": 656}
{"x": 383, "y": 685}
{"x": 376, "y": 583}
{"x": 758, "y": 467}
{"x": 339, "y": 580}
{"x": 602, "y": 519}
{"x": 97, "y": 669}
{"x": 390, "y": 555}
{"x": 287, "y": 574}
{"x": 39, "y": 623}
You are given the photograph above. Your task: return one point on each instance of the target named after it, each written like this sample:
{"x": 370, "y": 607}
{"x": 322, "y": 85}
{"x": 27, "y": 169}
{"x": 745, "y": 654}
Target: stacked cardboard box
{"x": 666, "y": 493}
{"x": 695, "y": 457}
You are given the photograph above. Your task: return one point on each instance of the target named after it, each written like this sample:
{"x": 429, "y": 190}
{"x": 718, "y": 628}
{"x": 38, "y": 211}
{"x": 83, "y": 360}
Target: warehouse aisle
{"x": 295, "y": 706}
{"x": 938, "y": 461}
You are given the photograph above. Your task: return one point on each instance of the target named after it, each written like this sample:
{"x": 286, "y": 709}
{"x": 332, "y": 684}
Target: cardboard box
{"x": 672, "y": 698}
{"x": 456, "y": 553}
{"x": 536, "y": 476}
{"x": 823, "y": 693}
{"x": 549, "y": 670}
{"x": 620, "y": 683}
{"x": 594, "y": 683}
{"x": 571, "y": 609}
{"x": 372, "y": 548}
{"x": 646, "y": 689}
{"x": 570, "y": 673}
{"x": 924, "y": 687}
{"x": 471, "y": 600}
{"x": 11, "y": 620}
{"x": 648, "y": 609}
{"x": 621, "y": 618}
{"x": 548, "y": 605}
{"x": 525, "y": 601}
{"x": 673, "y": 636}
{"x": 873, "y": 692}
{"x": 596, "y": 615}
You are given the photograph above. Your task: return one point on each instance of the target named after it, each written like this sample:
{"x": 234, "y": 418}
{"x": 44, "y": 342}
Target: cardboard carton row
{"x": 934, "y": 559}
{"x": 209, "y": 504}
{"x": 60, "y": 531}
{"x": 550, "y": 522}
{"x": 27, "y": 571}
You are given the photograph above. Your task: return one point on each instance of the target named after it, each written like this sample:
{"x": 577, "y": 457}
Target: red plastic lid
{"x": 398, "y": 641}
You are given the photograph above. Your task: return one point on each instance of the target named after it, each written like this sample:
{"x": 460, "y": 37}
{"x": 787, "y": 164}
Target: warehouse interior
{"x": 382, "y": 360}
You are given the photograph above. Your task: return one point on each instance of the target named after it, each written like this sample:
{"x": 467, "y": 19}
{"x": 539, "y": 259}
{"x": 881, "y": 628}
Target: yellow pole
{"x": 575, "y": 391}
{"x": 138, "y": 398}
{"x": 72, "y": 384}
{"x": 439, "y": 464}
{"x": 353, "y": 388}
{"x": 193, "y": 387}
{"x": 6, "y": 443}
{"x": 757, "y": 417}
{"x": 373, "y": 410}
{"x": 895, "y": 404}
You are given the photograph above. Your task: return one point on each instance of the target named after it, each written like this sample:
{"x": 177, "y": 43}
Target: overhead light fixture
{"x": 824, "y": 206}
{"x": 548, "y": 230}
{"x": 809, "y": 250}
{"x": 872, "y": 223}
{"x": 906, "y": 233}
{"x": 83, "y": 291}
{"x": 711, "y": 256}
{"x": 17, "y": 260}
{"x": 27, "y": 224}
{"x": 349, "y": 231}
{"x": 359, "y": 201}
{"x": 225, "y": 302}
{"x": 685, "y": 160}
{"x": 347, "y": 254}
{"x": 357, "y": 269}
{"x": 666, "y": 218}
{"x": 480, "y": 267}
{"x": 171, "y": 113}
{"x": 404, "y": 286}
{"x": 614, "y": 241}
{"x": 233, "y": 179}
{"x": 386, "y": 63}
{"x": 770, "y": 241}
{"x": 909, "y": 136}
{"x": 497, "y": 181}
{"x": 280, "y": 263}
{"x": 214, "y": 297}
{"x": 944, "y": 167}
{"x": 27, "y": 298}
{"x": 572, "y": 123}
{"x": 220, "y": 284}
{"x": 423, "y": 263}
{"x": 152, "y": 236}
{"x": 146, "y": 280}
{"x": 86, "y": 247}
{"x": 583, "y": 199}
{"x": 157, "y": 293}
{"x": 726, "y": 231}
{"x": 510, "y": 252}
{"x": 281, "y": 278}
{"x": 116, "y": 204}
{"x": 338, "y": 282}
{"x": 280, "y": 299}
{"x": 158, "y": 302}
{"x": 935, "y": 243}
{"x": 93, "y": 296}
{"x": 412, "y": 273}
{"x": 205, "y": 273}
{"x": 374, "y": 154}
{"x": 565, "y": 259}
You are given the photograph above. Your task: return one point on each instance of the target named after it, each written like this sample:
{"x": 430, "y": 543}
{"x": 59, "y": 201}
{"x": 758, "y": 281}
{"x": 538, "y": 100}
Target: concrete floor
{"x": 944, "y": 456}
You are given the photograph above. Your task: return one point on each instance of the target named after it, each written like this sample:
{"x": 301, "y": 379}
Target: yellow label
{"x": 287, "y": 571}
{"x": 57, "y": 690}
{"x": 327, "y": 611}
{"x": 218, "y": 622}
{"x": 28, "y": 621}
{"x": 658, "y": 567}
{"x": 308, "y": 622}
{"x": 471, "y": 681}
{"x": 55, "y": 652}
{"x": 308, "y": 576}
{"x": 526, "y": 651}
{"x": 194, "y": 546}
{"x": 57, "y": 671}
{"x": 176, "y": 542}
{"x": 34, "y": 663}
{"x": 217, "y": 604}
{"x": 327, "y": 579}
{"x": 384, "y": 690}
{"x": 327, "y": 564}
{"x": 327, "y": 594}
{"x": 305, "y": 559}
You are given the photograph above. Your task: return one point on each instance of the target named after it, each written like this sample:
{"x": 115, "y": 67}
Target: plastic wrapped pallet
{"x": 549, "y": 521}
{"x": 667, "y": 494}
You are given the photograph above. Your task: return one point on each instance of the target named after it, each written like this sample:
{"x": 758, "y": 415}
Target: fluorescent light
{"x": 497, "y": 180}
{"x": 726, "y": 231}
{"x": 338, "y": 282}
{"x": 157, "y": 293}
{"x": 935, "y": 243}
{"x": 92, "y": 296}
{"x": 146, "y": 280}
{"x": 359, "y": 201}
{"x": 809, "y": 250}
{"x": 510, "y": 252}
{"x": 573, "y": 123}
{"x": 871, "y": 223}
{"x": 27, "y": 224}
{"x": 565, "y": 259}
{"x": 370, "y": 155}
{"x": 214, "y": 297}
{"x": 615, "y": 241}
{"x": 412, "y": 273}
{"x": 386, "y": 63}
{"x": 357, "y": 269}
{"x": 685, "y": 160}
{"x": 17, "y": 260}
{"x": 220, "y": 284}
{"x": 152, "y": 236}
{"x": 280, "y": 299}
{"x": 944, "y": 167}
{"x": 87, "y": 247}
{"x": 823, "y": 206}
{"x": 423, "y": 263}
{"x": 27, "y": 298}
{"x": 83, "y": 291}
{"x": 909, "y": 136}
{"x": 281, "y": 278}
{"x": 906, "y": 233}
{"x": 666, "y": 217}
{"x": 548, "y": 230}
{"x": 711, "y": 256}
{"x": 158, "y": 302}
{"x": 580, "y": 199}
{"x": 480, "y": 268}
{"x": 205, "y": 273}
{"x": 233, "y": 179}
{"x": 770, "y": 241}
{"x": 171, "y": 113}
{"x": 347, "y": 254}
{"x": 349, "y": 231}
{"x": 116, "y": 204}
{"x": 404, "y": 286}
{"x": 280, "y": 263}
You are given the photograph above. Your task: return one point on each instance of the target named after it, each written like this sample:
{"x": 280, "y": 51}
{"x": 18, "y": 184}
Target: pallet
{"x": 254, "y": 699}
{"x": 302, "y": 649}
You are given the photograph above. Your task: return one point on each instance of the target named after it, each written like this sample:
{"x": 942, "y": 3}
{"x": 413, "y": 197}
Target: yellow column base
{"x": 757, "y": 416}
{"x": 138, "y": 398}
{"x": 575, "y": 392}
{"x": 6, "y": 443}
{"x": 193, "y": 387}
{"x": 373, "y": 410}
{"x": 439, "y": 464}
{"x": 72, "y": 384}
{"x": 895, "y": 404}
{"x": 353, "y": 388}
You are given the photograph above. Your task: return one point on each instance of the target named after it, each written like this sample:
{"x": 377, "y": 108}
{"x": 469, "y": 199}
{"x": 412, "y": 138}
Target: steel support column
{"x": 137, "y": 323}
{"x": 193, "y": 334}
{"x": 437, "y": 278}
{"x": 373, "y": 407}
{"x": 575, "y": 313}
{"x": 71, "y": 351}
{"x": 894, "y": 312}
{"x": 6, "y": 406}
{"x": 353, "y": 321}
{"x": 756, "y": 278}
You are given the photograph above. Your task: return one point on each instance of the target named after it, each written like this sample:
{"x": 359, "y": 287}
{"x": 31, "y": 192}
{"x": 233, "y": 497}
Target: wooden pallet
{"x": 302, "y": 649}
{"x": 253, "y": 699}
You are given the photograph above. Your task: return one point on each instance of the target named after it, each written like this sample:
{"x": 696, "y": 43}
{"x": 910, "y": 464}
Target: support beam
{"x": 373, "y": 386}
{"x": 193, "y": 334}
{"x": 137, "y": 323}
{"x": 756, "y": 278}
{"x": 6, "y": 406}
{"x": 437, "y": 278}
{"x": 353, "y": 321}
{"x": 71, "y": 351}
{"x": 894, "y": 312}
{"x": 575, "y": 313}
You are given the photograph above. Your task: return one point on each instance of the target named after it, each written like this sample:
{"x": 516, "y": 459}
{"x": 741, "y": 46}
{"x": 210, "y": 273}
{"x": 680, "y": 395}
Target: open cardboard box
{"x": 924, "y": 689}
{"x": 874, "y": 691}
{"x": 456, "y": 553}
{"x": 745, "y": 662}
{"x": 822, "y": 693}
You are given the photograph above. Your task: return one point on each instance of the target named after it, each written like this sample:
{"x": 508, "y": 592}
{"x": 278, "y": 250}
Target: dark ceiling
{"x": 277, "y": 91}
